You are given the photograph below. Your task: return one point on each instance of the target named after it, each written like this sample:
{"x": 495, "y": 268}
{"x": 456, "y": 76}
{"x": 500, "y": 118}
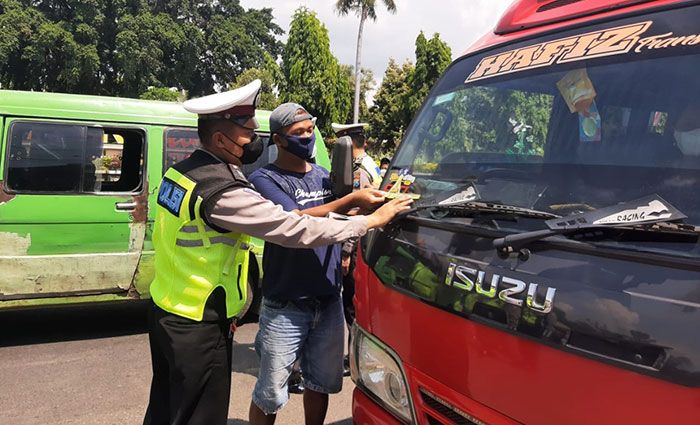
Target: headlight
{"x": 375, "y": 369}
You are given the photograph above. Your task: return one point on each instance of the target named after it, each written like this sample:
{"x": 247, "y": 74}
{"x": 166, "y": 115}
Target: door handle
{"x": 125, "y": 206}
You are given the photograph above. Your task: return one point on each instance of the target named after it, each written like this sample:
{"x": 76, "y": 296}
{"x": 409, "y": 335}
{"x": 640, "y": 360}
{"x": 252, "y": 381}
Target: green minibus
{"x": 79, "y": 177}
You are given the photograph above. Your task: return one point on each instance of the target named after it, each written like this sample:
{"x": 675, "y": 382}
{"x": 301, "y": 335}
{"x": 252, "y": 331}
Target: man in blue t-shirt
{"x": 301, "y": 314}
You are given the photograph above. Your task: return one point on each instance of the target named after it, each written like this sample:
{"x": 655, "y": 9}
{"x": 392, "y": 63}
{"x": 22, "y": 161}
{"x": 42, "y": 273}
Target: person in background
{"x": 686, "y": 130}
{"x": 383, "y": 166}
{"x": 365, "y": 174}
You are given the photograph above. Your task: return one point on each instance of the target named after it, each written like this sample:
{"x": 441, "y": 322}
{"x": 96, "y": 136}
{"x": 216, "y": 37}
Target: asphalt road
{"x": 91, "y": 365}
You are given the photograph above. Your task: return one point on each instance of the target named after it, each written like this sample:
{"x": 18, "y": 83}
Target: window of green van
{"x": 70, "y": 158}
{"x": 181, "y": 142}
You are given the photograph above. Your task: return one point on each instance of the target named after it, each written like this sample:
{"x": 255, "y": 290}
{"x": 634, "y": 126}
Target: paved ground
{"x": 91, "y": 365}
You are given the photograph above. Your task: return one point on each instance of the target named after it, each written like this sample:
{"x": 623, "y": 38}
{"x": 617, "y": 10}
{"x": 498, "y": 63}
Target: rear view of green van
{"x": 78, "y": 180}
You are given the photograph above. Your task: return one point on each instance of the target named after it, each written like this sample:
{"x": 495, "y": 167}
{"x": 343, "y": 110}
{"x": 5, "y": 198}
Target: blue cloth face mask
{"x": 301, "y": 147}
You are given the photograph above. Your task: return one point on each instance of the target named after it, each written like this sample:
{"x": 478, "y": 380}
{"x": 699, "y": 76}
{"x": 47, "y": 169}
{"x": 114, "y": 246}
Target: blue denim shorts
{"x": 311, "y": 330}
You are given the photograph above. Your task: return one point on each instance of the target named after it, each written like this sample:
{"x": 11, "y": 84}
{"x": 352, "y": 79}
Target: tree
{"x": 432, "y": 58}
{"x": 367, "y": 84}
{"x": 364, "y": 9}
{"x": 313, "y": 76}
{"x": 269, "y": 75}
{"x": 121, "y": 48}
{"x": 390, "y": 113}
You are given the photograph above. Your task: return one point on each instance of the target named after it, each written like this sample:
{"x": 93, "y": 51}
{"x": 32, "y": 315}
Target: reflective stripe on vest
{"x": 191, "y": 258}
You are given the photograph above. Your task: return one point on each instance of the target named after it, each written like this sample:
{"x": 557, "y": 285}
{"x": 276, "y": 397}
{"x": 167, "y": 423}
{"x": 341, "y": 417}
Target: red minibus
{"x": 550, "y": 271}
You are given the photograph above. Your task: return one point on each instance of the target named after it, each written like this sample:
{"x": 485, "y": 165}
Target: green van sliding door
{"x": 72, "y": 208}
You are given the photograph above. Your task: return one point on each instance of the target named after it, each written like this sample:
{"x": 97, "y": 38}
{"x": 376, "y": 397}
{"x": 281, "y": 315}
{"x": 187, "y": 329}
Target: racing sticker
{"x": 609, "y": 42}
{"x": 170, "y": 196}
{"x": 654, "y": 210}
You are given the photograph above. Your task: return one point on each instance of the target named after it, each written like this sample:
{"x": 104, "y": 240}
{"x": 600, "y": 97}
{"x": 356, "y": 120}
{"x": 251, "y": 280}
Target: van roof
{"x": 101, "y": 108}
{"x": 528, "y": 18}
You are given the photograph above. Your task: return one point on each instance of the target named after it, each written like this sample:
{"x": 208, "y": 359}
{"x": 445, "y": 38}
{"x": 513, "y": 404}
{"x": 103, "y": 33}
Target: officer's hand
{"x": 367, "y": 199}
{"x": 388, "y": 211}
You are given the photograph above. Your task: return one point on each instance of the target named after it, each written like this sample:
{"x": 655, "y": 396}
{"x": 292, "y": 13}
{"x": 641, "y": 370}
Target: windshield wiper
{"x": 467, "y": 200}
{"x": 651, "y": 214}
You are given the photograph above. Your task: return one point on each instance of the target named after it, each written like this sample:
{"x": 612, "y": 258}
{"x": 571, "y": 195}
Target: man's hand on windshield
{"x": 388, "y": 211}
{"x": 367, "y": 199}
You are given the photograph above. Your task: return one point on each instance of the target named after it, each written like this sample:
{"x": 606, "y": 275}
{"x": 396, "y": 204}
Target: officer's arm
{"x": 246, "y": 211}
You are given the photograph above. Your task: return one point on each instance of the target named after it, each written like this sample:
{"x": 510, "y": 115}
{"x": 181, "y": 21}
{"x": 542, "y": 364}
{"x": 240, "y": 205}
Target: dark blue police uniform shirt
{"x": 296, "y": 273}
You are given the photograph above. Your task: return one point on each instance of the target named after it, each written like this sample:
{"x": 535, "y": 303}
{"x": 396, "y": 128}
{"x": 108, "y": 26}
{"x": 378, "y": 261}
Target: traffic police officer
{"x": 205, "y": 209}
{"x": 365, "y": 173}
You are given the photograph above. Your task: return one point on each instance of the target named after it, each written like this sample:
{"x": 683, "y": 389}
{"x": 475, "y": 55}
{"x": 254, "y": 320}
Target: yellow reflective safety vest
{"x": 193, "y": 258}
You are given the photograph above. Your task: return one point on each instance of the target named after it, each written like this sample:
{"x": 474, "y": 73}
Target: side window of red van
{"x": 67, "y": 158}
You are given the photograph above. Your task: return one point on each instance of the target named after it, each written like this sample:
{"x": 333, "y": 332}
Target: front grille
{"x": 450, "y": 412}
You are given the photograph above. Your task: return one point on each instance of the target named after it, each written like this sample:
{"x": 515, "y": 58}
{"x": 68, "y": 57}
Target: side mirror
{"x": 341, "y": 167}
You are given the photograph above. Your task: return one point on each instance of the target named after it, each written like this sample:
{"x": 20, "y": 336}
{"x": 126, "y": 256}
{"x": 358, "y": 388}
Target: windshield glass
{"x": 581, "y": 133}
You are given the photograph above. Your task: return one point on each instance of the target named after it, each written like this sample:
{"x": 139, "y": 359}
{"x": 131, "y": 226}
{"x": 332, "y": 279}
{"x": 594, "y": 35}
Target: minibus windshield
{"x": 565, "y": 138}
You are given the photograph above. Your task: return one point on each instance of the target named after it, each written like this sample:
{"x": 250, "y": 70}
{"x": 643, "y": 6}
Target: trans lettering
{"x": 507, "y": 289}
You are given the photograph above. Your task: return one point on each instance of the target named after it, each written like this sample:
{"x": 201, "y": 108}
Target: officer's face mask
{"x": 301, "y": 147}
{"x": 251, "y": 150}
{"x": 688, "y": 141}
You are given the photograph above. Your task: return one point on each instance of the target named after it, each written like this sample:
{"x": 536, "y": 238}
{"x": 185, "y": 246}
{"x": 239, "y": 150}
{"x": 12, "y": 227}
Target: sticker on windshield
{"x": 653, "y": 211}
{"x": 609, "y": 42}
{"x": 469, "y": 194}
{"x": 577, "y": 90}
{"x": 443, "y": 98}
{"x": 589, "y": 124}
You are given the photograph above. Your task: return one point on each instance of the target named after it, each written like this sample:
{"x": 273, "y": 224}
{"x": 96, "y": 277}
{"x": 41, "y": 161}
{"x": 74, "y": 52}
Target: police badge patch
{"x": 170, "y": 196}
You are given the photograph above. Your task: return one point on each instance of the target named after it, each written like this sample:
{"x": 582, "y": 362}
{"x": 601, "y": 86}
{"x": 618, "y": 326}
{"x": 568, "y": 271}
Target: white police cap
{"x": 349, "y": 128}
{"x": 237, "y": 105}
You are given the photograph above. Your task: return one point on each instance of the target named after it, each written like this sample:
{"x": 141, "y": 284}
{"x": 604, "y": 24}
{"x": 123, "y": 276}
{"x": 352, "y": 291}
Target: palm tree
{"x": 364, "y": 9}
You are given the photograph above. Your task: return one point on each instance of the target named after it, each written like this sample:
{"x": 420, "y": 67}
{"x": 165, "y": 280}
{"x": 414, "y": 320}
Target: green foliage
{"x": 432, "y": 58}
{"x": 390, "y": 113}
{"x": 313, "y": 76}
{"x": 161, "y": 93}
{"x": 489, "y": 120}
{"x": 123, "y": 47}
{"x": 367, "y": 84}
{"x": 268, "y": 76}
{"x": 404, "y": 89}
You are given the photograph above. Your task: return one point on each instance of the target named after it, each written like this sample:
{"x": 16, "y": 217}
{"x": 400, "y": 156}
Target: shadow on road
{"x": 347, "y": 421}
{"x": 245, "y": 360}
{"x": 69, "y": 323}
